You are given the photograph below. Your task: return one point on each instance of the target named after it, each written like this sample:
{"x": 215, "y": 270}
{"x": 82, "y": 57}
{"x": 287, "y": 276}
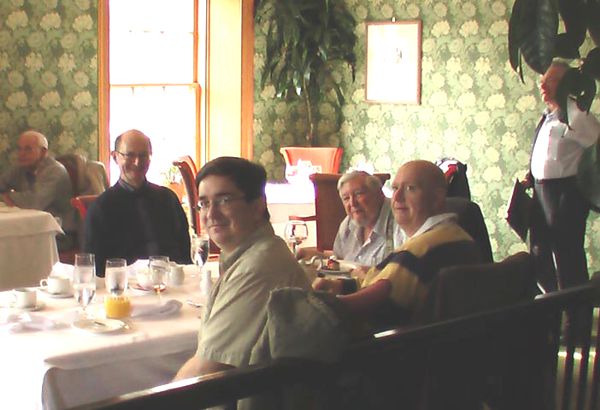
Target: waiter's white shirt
{"x": 558, "y": 147}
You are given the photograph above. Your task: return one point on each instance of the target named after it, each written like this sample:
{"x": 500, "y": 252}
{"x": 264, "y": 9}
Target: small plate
{"x": 57, "y": 295}
{"x": 39, "y": 306}
{"x": 99, "y": 325}
{"x": 330, "y": 272}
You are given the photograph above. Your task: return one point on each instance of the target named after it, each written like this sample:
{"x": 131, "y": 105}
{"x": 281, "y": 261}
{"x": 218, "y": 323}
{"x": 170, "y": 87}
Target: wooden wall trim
{"x": 247, "y": 114}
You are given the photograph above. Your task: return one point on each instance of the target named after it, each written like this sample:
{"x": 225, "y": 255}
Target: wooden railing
{"x": 506, "y": 358}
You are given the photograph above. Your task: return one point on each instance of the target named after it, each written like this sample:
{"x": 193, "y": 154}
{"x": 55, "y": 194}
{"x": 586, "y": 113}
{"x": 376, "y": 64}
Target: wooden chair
{"x": 329, "y": 211}
{"x": 188, "y": 170}
{"x": 82, "y": 203}
{"x": 328, "y": 158}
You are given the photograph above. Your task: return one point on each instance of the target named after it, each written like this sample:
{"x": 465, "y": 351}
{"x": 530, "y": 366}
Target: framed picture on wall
{"x": 394, "y": 62}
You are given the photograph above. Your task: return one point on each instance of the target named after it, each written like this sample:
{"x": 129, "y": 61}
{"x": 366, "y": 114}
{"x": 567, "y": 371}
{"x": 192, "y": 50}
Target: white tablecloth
{"x": 65, "y": 367}
{"x": 27, "y": 246}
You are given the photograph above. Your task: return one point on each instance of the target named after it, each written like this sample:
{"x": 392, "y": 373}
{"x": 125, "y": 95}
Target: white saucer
{"x": 99, "y": 325}
{"x": 39, "y": 306}
{"x": 57, "y": 295}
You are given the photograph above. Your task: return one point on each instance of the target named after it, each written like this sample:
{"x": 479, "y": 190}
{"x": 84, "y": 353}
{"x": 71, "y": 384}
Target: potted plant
{"x": 533, "y": 37}
{"x": 305, "y": 41}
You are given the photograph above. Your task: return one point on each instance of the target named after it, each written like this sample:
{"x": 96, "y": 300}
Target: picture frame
{"x": 394, "y": 62}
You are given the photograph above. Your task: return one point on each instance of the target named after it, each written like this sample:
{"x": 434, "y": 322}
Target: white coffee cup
{"x": 176, "y": 275}
{"x": 24, "y": 298}
{"x": 57, "y": 285}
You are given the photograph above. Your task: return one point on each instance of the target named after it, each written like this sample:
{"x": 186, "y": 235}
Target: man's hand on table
{"x": 7, "y": 200}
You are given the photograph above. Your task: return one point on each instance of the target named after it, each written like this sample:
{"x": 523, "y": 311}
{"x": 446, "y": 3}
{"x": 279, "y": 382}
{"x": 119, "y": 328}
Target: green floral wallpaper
{"x": 48, "y": 74}
{"x": 473, "y": 107}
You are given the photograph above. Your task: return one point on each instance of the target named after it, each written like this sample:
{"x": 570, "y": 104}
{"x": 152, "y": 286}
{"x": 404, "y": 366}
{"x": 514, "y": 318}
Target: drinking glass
{"x": 115, "y": 277}
{"x": 200, "y": 246}
{"x": 159, "y": 266}
{"x": 295, "y": 233}
{"x": 84, "y": 279}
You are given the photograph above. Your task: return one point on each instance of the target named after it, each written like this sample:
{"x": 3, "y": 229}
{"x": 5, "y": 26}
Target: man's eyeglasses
{"x": 131, "y": 156}
{"x": 221, "y": 202}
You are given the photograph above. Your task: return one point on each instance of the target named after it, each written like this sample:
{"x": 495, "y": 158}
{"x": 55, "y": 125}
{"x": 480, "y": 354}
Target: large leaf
{"x": 591, "y": 64}
{"x": 573, "y": 16}
{"x": 540, "y": 27}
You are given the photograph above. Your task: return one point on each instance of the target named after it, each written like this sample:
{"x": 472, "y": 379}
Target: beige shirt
{"x": 236, "y": 312}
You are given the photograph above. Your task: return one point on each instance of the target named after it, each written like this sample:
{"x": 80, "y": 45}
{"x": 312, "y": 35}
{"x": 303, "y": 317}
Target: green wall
{"x": 48, "y": 74}
{"x": 473, "y": 108}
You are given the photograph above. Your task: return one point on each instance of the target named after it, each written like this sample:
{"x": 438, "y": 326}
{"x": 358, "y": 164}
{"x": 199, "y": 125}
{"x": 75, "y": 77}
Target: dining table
{"x": 27, "y": 246}
{"x": 49, "y": 362}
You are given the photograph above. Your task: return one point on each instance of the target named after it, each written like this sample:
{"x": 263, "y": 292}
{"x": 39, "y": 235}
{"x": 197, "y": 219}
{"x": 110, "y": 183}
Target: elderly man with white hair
{"x": 38, "y": 181}
{"x": 368, "y": 233}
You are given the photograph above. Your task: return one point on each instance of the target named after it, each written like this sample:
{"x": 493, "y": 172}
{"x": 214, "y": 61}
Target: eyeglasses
{"x": 131, "y": 156}
{"x": 221, "y": 202}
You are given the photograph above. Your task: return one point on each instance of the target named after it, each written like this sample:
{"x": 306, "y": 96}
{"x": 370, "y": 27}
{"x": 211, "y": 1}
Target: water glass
{"x": 200, "y": 249}
{"x": 84, "y": 279}
{"x": 295, "y": 233}
{"x": 158, "y": 266}
{"x": 115, "y": 277}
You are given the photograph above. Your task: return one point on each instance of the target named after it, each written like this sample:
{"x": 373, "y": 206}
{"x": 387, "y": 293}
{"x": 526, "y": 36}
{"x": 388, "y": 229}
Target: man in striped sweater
{"x": 391, "y": 292}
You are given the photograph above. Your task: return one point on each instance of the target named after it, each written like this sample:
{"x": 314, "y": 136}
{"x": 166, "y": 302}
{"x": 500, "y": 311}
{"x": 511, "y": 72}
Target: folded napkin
{"x": 152, "y": 310}
{"x": 21, "y": 322}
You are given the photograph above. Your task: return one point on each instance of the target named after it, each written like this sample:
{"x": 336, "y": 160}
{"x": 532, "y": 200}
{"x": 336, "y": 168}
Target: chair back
{"x": 82, "y": 203}
{"x": 328, "y": 158}
{"x": 471, "y": 220}
{"x": 87, "y": 177}
{"x": 465, "y": 289}
{"x": 188, "y": 170}
{"x": 329, "y": 211}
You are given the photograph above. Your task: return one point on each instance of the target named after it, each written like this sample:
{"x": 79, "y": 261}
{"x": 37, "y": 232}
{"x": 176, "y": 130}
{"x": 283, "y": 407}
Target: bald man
{"x": 135, "y": 218}
{"x": 38, "y": 181}
{"x": 391, "y": 292}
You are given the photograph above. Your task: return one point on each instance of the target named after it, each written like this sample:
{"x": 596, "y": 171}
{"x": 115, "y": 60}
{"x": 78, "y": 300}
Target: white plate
{"x": 57, "y": 295}
{"x": 99, "y": 325}
{"x": 39, "y": 306}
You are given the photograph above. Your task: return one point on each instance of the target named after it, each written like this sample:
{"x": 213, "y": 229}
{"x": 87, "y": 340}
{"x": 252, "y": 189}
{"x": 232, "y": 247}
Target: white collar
{"x": 431, "y": 222}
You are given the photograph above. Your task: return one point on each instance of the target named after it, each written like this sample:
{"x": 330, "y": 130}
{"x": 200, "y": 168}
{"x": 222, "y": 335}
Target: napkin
{"x": 62, "y": 269}
{"x": 146, "y": 311}
{"x": 21, "y": 322}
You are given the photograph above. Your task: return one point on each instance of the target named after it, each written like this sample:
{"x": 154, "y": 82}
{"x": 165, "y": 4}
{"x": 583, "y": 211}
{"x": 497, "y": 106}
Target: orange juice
{"x": 117, "y": 307}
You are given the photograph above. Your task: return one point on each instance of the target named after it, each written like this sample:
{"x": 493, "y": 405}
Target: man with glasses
{"x": 135, "y": 218}
{"x": 253, "y": 261}
{"x": 40, "y": 182}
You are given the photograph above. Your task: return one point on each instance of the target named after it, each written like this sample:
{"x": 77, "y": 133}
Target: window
{"x": 154, "y": 74}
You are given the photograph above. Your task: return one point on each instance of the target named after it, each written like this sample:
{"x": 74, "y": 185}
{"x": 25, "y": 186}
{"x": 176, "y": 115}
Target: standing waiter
{"x": 559, "y": 213}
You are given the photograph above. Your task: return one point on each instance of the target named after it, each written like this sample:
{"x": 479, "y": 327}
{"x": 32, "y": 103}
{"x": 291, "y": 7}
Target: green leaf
{"x": 593, "y": 20}
{"x": 539, "y": 31}
{"x": 591, "y": 64}
{"x": 573, "y": 15}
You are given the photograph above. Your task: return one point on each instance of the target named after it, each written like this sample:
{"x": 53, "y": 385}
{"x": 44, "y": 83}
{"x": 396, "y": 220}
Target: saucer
{"x": 57, "y": 295}
{"x": 99, "y": 325}
{"x": 39, "y": 306}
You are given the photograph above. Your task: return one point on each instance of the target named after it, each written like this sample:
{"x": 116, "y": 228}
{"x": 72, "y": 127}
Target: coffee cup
{"x": 176, "y": 275}
{"x": 56, "y": 285}
{"x": 24, "y": 298}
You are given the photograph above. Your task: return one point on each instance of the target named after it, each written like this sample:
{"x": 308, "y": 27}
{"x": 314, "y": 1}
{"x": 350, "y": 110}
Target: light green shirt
{"x": 236, "y": 312}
